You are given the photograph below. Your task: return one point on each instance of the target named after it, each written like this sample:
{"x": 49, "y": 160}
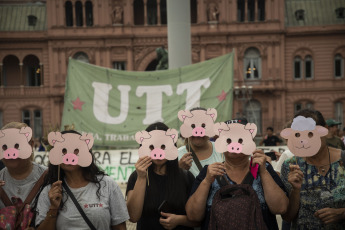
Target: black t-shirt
{"x": 150, "y": 218}
{"x": 271, "y": 141}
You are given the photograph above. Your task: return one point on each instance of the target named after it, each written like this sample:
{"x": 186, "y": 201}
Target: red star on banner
{"x": 77, "y": 104}
{"x": 101, "y": 205}
{"x": 222, "y": 96}
{"x": 86, "y": 206}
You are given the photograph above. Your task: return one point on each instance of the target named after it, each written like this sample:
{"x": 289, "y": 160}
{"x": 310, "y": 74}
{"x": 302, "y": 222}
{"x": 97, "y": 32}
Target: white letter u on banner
{"x": 101, "y": 103}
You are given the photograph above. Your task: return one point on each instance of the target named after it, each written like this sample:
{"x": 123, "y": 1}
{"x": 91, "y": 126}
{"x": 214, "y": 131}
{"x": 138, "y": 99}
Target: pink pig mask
{"x": 235, "y": 138}
{"x": 197, "y": 123}
{"x": 304, "y": 136}
{"x": 15, "y": 143}
{"x": 158, "y": 144}
{"x": 70, "y": 148}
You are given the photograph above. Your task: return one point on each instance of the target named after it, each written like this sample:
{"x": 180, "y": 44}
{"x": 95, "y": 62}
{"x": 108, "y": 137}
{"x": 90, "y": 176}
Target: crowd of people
{"x": 185, "y": 193}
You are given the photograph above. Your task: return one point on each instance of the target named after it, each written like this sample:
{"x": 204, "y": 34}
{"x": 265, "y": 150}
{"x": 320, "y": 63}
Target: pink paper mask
{"x": 197, "y": 123}
{"x": 15, "y": 143}
{"x": 235, "y": 138}
{"x": 304, "y": 136}
{"x": 158, "y": 144}
{"x": 70, "y": 148}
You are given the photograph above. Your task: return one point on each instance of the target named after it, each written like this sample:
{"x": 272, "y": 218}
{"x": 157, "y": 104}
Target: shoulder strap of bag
{"x": 4, "y": 198}
{"x": 343, "y": 157}
{"x": 36, "y": 188}
{"x": 249, "y": 179}
{"x": 195, "y": 158}
{"x": 78, "y": 206}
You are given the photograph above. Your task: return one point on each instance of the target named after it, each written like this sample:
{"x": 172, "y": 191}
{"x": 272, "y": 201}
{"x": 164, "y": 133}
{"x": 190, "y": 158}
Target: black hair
{"x": 176, "y": 192}
{"x": 314, "y": 114}
{"x": 270, "y": 128}
{"x": 90, "y": 173}
{"x": 198, "y": 108}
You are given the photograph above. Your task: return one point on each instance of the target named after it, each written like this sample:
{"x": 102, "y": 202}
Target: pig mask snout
{"x": 70, "y": 159}
{"x": 235, "y": 147}
{"x": 198, "y": 131}
{"x": 11, "y": 153}
{"x": 157, "y": 154}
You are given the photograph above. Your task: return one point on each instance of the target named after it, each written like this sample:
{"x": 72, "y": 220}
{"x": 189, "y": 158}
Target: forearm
{"x": 275, "y": 197}
{"x": 135, "y": 201}
{"x": 293, "y": 207}
{"x": 196, "y": 204}
{"x": 183, "y": 221}
{"x": 121, "y": 226}
{"x": 50, "y": 221}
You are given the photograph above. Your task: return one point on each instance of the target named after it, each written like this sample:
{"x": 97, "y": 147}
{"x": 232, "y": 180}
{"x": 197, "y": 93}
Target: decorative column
{"x": 129, "y": 58}
{"x": 21, "y": 74}
{"x": 42, "y": 76}
{"x": 145, "y": 12}
{"x": 74, "y": 15}
{"x": 245, "y": 11}
{"x": 83, "y": 10}
{"x": 179, "y": 35}
{"x": 159, "y": 21}
{"x": 256, "y": 11}
{"x": 202, "y": 52}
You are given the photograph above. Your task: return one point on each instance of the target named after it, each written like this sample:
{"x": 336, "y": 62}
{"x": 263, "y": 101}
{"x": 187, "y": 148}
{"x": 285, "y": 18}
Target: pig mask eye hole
{"x": 203, "y": 125}
{"x": 310, "y": 134}
{"x": 151, "y": 147}
{"x": 4, "y": 147}
{"x": 193, "y": 126}
{"x": 163, "y": 147}
{"x": 228, "y": 141}
{"x": 64, "y": 151}
{"x": 240, "y": 140}
{"x": 76, "y": 151}
{"x": 16, "y": 146}
{"x": 297, "y": 134}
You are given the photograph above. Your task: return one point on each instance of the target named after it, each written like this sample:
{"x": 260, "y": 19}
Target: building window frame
{"x": 89, "y": 13}
{"x": 69, "y": 13}
{"x": 252, "y": 64}
{"x": 308, "y": 67}
{"x": 34, "y": 119}
{"x": 119, "y": 65}
{"x": 297, "y": 74}
{"x": 340, "y": 60}
{"x": 79, "y": 14}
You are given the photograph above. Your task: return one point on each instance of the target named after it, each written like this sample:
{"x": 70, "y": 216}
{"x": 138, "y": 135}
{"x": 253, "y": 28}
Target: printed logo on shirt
{"x": 93, "y": 205}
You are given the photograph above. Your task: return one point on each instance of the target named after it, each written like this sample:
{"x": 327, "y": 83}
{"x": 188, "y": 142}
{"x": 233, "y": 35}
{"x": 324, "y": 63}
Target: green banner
{"x": 113, "y": 105}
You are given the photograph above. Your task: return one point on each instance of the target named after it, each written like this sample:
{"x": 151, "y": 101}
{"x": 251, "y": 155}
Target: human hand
{"x": 295, "y": 177}
{"x": 142, "y": 165}
{"x": 55, "y": 195}
{"x": 329, "y": 215}
{"x": 186, "y": 161}
{"x": 259, "y": 158}
{"x": 213, "y": 170}
{"x": 169, "y": 220}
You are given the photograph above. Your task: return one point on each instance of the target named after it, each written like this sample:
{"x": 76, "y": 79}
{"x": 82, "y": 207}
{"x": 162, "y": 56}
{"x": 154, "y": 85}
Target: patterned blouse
{"x": 317, "y": 192}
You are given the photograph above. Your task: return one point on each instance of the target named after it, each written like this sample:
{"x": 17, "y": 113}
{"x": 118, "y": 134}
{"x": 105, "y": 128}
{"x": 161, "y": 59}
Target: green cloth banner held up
{"x": 113, "y": 105}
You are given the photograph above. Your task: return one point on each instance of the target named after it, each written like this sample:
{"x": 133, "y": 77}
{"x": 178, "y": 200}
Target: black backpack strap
{"x": 78, "y": 206}
{"x": 222, "y": 181}
{"x": 195, "y": 158}
{"x": 343, "y": 157}
{"x": 249, "y": 179}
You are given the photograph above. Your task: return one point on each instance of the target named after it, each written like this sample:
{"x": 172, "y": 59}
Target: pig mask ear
{"x": 285, "y": 133}
{"x": 141, "y": 135}
{"x": 88, "y": 138}
{"x": 213, "y": 113}
{"x": 219, "y": 127}
{"x": 27, "y": 131}
{"x": 182, "y": 114}
{"x": 252, "y": 128}
{"x": 173, "y": 134}
{"x": 55, "y": 137}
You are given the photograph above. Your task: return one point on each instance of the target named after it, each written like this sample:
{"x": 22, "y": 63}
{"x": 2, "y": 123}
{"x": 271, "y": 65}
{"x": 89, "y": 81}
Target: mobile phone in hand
{"x": 163, "y": 207}
{"x": 272, "y": 155}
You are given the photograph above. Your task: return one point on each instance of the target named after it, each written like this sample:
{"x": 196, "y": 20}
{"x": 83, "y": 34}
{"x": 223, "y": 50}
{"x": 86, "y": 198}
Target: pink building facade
{"x": 289, "y": 54}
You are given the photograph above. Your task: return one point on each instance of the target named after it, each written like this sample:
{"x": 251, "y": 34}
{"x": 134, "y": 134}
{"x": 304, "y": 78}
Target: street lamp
{"x": 243, "y": 94}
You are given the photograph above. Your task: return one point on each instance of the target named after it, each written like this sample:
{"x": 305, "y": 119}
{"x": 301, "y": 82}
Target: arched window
{"x": 152, "y": 66}
{"x": 81, "y": 56}
{"x": 88, "y": 13}
{"x": 152, "y": 12}
{"x": 138, "y": 7}
{"x": 79, "y": 13}
{"x": 251, "y": 10}
{"x": 252, "y": 64}
{"x": 163, "y": 9}
{"x": 69, "y": 13}
{"x": 303, "y": 104}
{"x": 339, "y": 112}
{"x": 261, "y": 10}
{"x": 240, "y": 10}
{"x": 253, "y": 113}
{"x": 11, "y": 71}
{"x": 33, "y": 118}
{"x": 338, "y": 66}
{"x": 32, "y": 71}
{"x": 308, "y": 67}
{"x": 193, "y": 11}
{"x": 297, "y": 67}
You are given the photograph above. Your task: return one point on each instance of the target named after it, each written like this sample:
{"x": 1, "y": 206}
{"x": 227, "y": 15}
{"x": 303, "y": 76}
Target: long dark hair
{"x": 176, "y": 185}
{"x": 90, "y": 173}
{"x": 314, "y": 114}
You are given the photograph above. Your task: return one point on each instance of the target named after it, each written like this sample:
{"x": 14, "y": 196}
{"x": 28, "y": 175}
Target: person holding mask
{"x": 203, "y": 148}
{"x": 157, "y": 183}
{"x": 19, "y": 175}
{"x": 235, "y": 170}
{"x": 98, "y": 195}
{"x": 316, "y": 185}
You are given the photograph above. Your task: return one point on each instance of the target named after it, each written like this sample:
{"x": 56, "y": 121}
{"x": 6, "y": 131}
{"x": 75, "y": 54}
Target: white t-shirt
{"x": 285, "y": 155}
{"x": 108, "y": 210}
{"x": 20, "y": 188}
{"x": 215, "y": 157}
